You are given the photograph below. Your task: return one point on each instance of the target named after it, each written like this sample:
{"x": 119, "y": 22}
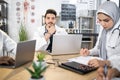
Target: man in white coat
{"x": 7, "y": 45}
{"x": 108, "y": 43}
{"x": 44, "y": 34}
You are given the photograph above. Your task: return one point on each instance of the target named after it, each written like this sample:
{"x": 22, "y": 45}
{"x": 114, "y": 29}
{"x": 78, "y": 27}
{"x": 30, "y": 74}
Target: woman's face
{"x": 105, "y": 21}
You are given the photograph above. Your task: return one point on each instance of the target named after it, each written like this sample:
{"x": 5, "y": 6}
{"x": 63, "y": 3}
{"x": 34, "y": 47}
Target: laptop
{"x": 66, "y": 44}
{"x": 24, "y": 53}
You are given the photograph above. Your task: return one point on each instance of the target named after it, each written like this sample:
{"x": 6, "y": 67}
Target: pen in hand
{"x": 85, "y": 52}
{"x": 105, "y": 70}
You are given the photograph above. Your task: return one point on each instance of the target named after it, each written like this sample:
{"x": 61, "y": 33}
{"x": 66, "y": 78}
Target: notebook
{"x": 24, "y": 53}
{"x": 66, "y": 44}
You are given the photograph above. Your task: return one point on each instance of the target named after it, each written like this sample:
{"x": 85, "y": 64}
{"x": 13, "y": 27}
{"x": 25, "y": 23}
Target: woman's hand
{"x": 84, "y": 52}
{"x": 96, "y": 63}
{"x": 100, "y": 74}
{"x": 112, "y": 72}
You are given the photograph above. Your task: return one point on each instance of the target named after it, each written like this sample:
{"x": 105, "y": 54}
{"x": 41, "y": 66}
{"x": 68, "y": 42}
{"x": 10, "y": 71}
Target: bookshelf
{"x": 86, "y": 25}
{"x": 4, "y": 16}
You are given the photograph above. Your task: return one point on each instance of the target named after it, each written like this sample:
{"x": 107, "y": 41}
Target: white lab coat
{"x": 6, "y": 43}
{"x": 41, "y": 43}
{"x": 112, "y": 46}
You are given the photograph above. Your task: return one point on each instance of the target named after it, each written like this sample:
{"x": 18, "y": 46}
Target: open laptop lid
{"x": 66, "y": 44}
{"x": 24, "y": 53}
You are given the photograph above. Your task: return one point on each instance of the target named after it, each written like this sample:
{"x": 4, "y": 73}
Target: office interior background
{"x": 76, "y": 16}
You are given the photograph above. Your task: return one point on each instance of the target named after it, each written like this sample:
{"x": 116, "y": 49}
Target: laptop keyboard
{"x": 77, "y": 67}
{"x": 7, "y": 64}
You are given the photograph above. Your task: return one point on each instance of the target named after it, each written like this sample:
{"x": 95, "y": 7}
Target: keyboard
{"x": 77, "y": 67}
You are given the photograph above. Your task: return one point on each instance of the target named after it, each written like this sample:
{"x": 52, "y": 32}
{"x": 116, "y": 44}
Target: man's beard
{"x": 50, "y": 23}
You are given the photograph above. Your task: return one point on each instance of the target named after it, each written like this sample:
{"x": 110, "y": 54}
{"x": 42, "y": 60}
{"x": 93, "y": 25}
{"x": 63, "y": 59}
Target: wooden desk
{"x": 52, "y": 73}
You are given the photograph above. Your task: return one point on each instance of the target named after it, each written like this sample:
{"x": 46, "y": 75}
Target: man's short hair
{"x": 51, "y": 11}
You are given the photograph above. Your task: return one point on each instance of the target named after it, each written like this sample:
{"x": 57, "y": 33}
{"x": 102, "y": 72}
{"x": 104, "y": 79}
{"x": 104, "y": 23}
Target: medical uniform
{"x": 6, "y": 43}
{"x": 41, "y": 43}
{"x": 112, "y": 36}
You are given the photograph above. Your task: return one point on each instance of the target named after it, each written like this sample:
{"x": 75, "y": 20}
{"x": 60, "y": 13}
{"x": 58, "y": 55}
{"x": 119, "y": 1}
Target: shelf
{"x": 86, "y": 26}
{"x": 86, "y": 23}
{"x": 88, "y": 29}
{"x": 4, "y": 16}
{"x": 86, "y": 41}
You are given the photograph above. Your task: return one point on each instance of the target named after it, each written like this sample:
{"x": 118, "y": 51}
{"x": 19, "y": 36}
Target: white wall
{"x": 116, "y": 1}
{"x": 40, "y": 7}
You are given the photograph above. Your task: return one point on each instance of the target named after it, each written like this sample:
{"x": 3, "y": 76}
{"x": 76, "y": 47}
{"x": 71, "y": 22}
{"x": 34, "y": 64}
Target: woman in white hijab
{"x": 108, "y": 43}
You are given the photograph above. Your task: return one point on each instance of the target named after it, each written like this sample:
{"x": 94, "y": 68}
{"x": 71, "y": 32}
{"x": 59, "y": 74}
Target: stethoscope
{"x": 112, "y": 34}
{"x": 118, "y": 28}
{"x": 114, "y": 37}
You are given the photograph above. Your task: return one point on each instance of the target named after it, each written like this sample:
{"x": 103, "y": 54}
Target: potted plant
{"x": 23, "y": 36}
{"x": 40, "y": 58}
{"x": 36, "y": 72}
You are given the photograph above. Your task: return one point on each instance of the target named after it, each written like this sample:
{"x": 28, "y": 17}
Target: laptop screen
{"x": 66, "y": 44}
{"x": 25, "y": 52}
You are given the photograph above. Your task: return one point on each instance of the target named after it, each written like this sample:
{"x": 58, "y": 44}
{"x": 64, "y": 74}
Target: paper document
{"x": 83, "y": 59}
{"x": 112, "y": 79}
{"x": 116, "y": 79}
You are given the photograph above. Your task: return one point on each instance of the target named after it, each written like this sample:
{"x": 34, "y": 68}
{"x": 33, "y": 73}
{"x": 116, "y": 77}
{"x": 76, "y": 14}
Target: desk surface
{"x": 52, "y": 73}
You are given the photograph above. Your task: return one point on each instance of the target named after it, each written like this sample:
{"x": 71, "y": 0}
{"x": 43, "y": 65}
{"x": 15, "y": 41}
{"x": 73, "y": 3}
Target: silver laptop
{"x": 66, "y": 44}
{"x": 24, "y": 53}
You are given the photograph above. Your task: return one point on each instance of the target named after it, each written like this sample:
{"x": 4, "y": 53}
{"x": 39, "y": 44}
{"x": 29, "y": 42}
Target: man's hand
{"x": 6, "y": 60}
{"x": 51, "y": 28}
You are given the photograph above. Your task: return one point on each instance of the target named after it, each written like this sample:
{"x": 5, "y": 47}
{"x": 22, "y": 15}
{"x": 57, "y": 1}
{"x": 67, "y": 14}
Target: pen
{"x": 50, "y": 62}
{"x": 105, "y": 70}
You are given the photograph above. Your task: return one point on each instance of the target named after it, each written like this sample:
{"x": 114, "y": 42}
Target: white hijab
{"x": 111, "y": 9}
